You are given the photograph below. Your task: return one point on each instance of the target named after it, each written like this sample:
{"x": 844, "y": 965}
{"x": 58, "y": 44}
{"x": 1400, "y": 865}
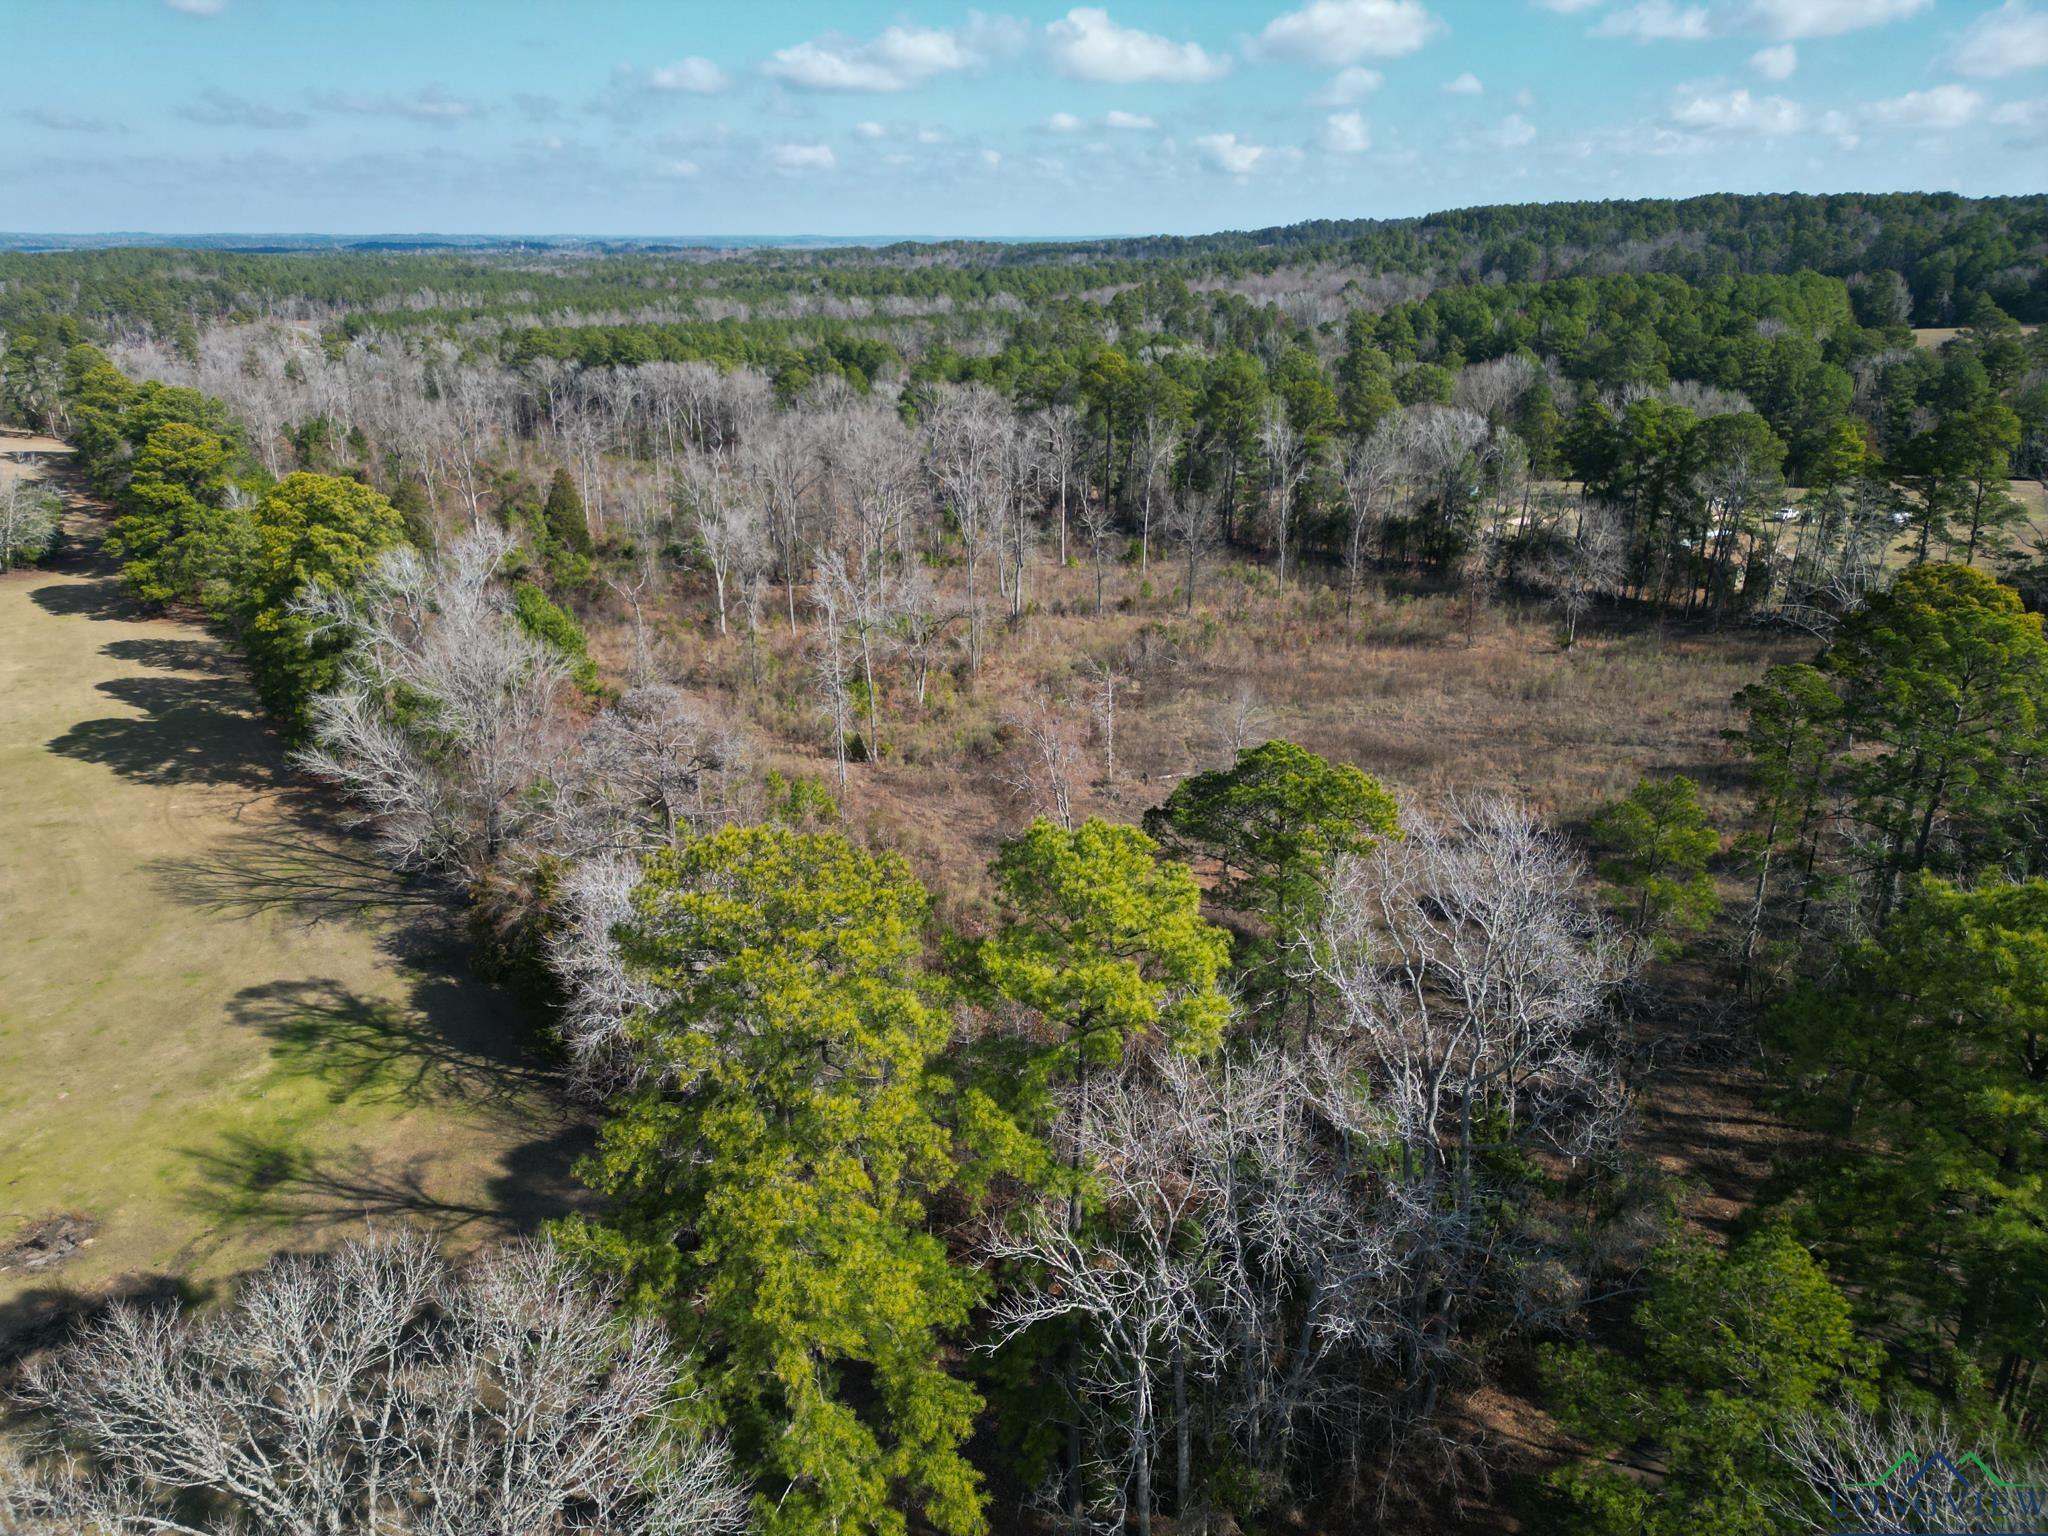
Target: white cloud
{"x": 1347, "y": 86}
{"x": 933, "y": 136}
{"x": 432, "y": 105}
{"x": 1776, "y": 62}
{"x": 1654, "y": 21}
{"x": 1466, "y": 84}
{"x": 1513, "y": 132}
{"x": 991, "y": 158}
{"x": 2012, "y": 38}
{"x": 2029, "y": 118}
{"x": 1790, "y": 20}
{"x": 1063, "y": 122}
{"x": 1738, "y": 112}
{"x": 1226, "y": 153}
{"x": 1567, "y": 7}
{"x": 1086, "y": 45}
{"x": 1346, "y": 133}
{"x": 1128, "y": 120}
{"x": 681, "y": 170}
{"x": 802, "y": 157}
{"x": 869, "y": 130}
{"x": 1345, "y": 31}
{"x": 217, "y": 108}
{"x": 693, "y": 76}
{"x": 896, "y": 60}
{"x": 1942, "y": 106}
{"x": 197, "y": 7}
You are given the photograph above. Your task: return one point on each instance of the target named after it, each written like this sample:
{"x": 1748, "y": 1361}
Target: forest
{"x": 1131, "y": 850}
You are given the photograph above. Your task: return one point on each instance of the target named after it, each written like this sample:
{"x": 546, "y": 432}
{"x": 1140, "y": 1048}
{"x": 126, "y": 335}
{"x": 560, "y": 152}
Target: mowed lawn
{"x": 225, "y": 1029}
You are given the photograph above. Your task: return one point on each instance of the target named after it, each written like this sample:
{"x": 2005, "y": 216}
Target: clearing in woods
{"x": 225, "y": 1028}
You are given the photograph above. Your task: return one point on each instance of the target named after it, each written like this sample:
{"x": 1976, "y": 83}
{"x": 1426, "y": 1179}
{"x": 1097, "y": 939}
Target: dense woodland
{"x": 1189, "y": 1164}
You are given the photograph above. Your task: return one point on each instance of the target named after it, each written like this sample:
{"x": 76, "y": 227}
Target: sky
{"x": 791, "y": 117}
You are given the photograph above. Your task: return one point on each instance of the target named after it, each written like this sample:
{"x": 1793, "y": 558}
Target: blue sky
{"x": 625, "y": 117}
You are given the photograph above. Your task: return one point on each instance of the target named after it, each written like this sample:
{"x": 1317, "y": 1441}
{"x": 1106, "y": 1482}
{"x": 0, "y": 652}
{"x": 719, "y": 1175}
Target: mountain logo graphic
{"x": 1939, "y": 1495}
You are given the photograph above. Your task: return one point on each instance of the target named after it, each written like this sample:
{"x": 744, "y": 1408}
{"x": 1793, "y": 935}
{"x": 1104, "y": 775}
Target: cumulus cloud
{"x": 2012, "y": 38}
{"x": 1738, "y": 112}
{"x": 802, "y": 157}
{"x": 1130, "y": 121}
{"x": 1345, "y": 31}
{"x": 869, "y": 130}
{"x": 1228, "y": 153}
{"x": 432, "y": 105}
{"x": 1942, "y": 106}
{"x": 1466, "y": 84}
{"x": 1086, "y": 45}
{"x": 692, "y": 76}
{"x": 1776, "y": 62}
{"x": 1347, "y": 86}
{"x": 1063, "y": 122}
{"x": 1346, "y": 133}
{"x": 216, "y": 108}
{"x": 2027, "y": 119}
{"x": 1655, "y": 21}
{"x": 896, "y": 60}
{"x": 1566, "y": 7}
{"x": 1512, "y": 132}
{"x": 1790, "y": 20}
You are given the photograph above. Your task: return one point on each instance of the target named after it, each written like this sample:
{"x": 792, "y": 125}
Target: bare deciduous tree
{"x": 1589, "y": 562}
{"x": 729, "y": 524}
{"x": 446, "y": 712}
{"x": 376, "y": 1390}
{"x": 1470, "y": 978}
{"x": 1192, "y": 524}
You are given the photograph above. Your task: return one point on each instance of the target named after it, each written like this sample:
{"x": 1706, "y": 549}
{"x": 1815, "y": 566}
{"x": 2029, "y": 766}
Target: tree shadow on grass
{"x": 101, "y": 598}
{"x": 306, "y": 868}
{"x": 168, "y": 655}
{"x": 444, "y": 1046}
{"x": 43, "y": 1316}
{"x": 191, "y": 730}
{"x": 451, "y": 1046}
{"x": 276, "y": 1180}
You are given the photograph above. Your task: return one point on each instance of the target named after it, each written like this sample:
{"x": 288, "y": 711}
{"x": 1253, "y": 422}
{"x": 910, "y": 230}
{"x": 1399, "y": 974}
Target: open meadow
{"x": 225, "y": 1029}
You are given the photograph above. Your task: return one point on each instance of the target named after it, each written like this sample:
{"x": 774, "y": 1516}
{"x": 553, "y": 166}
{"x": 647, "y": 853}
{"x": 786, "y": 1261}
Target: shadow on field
{"x": 47, "y": 1315}
{"x": 190, "y": 731}
{"x": 254, "y": 1177}
{"x": 101, "y": 598}
{"x": 306, "y": 868}
{"x": 451, "y": 1045}
{"x": 443, "y": 1046}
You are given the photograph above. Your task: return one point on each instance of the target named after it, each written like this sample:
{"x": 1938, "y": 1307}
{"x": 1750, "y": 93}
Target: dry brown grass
{"x": 1405, "y": 693}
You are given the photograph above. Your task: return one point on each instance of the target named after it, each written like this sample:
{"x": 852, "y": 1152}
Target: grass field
{"x": 225, "y": 1030}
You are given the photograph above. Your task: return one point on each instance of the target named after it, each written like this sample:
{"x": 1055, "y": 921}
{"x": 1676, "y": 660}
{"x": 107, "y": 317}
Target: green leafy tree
{"x": 1274, "y": 823}
{"x": 1657, "y": 844}
{"x": 544, "y": 619}
{"x": 1921, "y": 1057}
{"x": 308, "y": 529}
{"x": 1731, "y": 1350}
{"x": 1943, "y": 678}
{"x": 179, "y": 539}
{"x": 769, "y": 1185}
{"x": 1105, "y": 941}
{"x": 1792, "y": 737}
{"x": 563, "y": 512}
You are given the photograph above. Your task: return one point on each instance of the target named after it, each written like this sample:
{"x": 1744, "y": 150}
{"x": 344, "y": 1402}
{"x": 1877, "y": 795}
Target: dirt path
{"x": 225, "y": 1029}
